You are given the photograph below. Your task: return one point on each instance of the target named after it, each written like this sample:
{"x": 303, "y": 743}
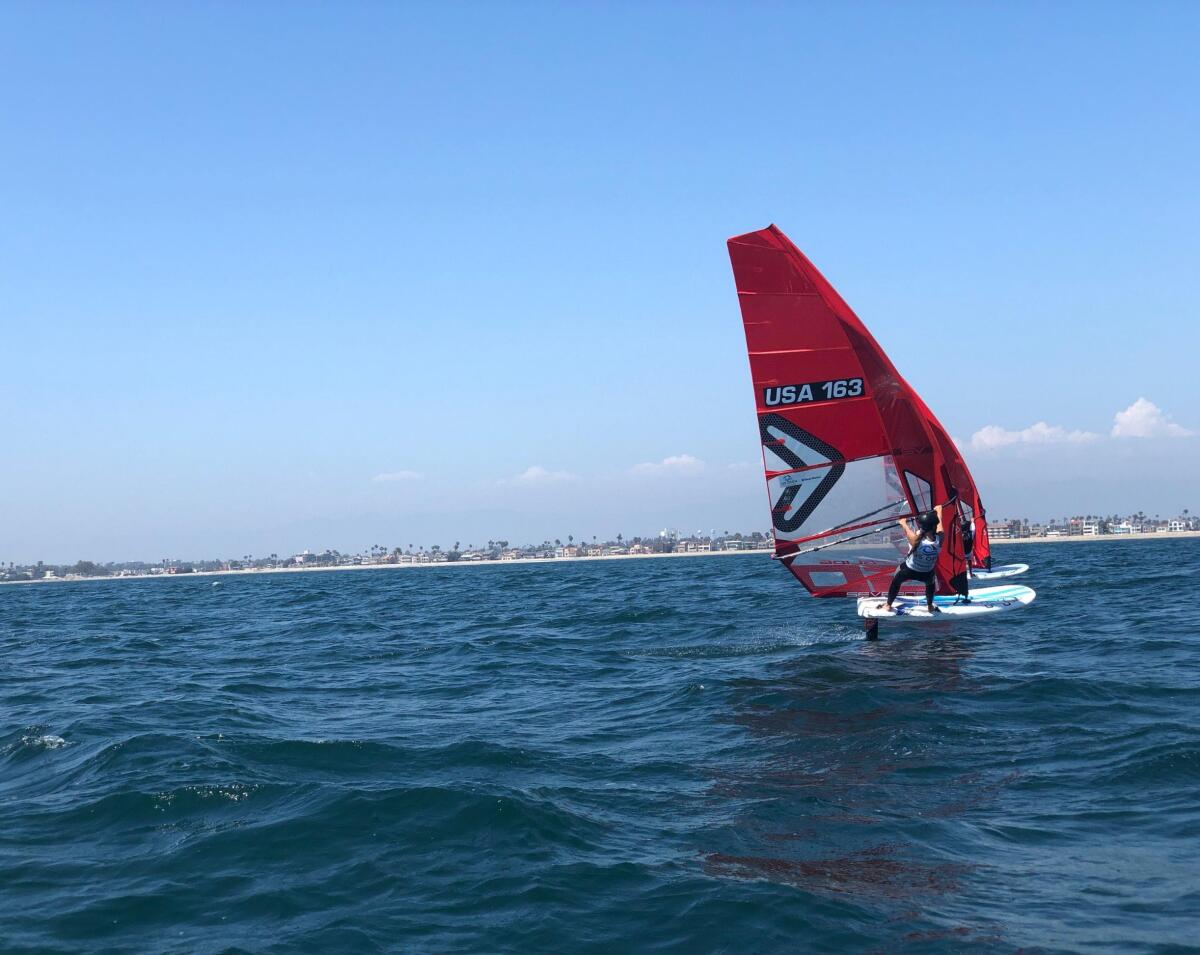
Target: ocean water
{"x": 652, "y": 756}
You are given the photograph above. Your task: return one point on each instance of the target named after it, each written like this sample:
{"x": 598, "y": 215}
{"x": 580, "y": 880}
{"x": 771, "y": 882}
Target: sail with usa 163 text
{"x": 849, "y": 447}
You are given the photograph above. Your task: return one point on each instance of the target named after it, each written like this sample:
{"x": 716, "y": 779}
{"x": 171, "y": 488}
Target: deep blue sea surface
{"x": 653, "y": 756}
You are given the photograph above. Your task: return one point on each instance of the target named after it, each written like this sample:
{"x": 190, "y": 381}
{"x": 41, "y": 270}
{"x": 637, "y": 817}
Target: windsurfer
{"x": 967, "y": 530}
{"x": 925, "y": 543}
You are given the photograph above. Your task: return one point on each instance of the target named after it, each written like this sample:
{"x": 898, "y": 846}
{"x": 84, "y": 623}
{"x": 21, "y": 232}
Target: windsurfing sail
{"x": 959, "y": 511}
{"x": 847, "y": 444}
{"x": 981, "y": 556}
{"x": 967, "y": 503}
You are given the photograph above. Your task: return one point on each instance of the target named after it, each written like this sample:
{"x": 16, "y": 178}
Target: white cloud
{"x": 675, "y": 464}
{"x": 1144, "y": 419}
{"x": 992, "y": 437}
{"x": 398, "y": 476}
{"x": 741, "y": 465}
{"x": 536, "y": 474}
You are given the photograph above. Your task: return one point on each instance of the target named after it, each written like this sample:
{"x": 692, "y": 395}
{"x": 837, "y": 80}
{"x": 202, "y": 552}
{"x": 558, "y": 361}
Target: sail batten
{"x": 837, "y": 533}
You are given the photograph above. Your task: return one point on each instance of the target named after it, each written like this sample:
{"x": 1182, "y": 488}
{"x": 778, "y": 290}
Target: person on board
{"x": 968, "y": 538}
{"x": 925, "y": 543}
{"x": 962, "y": 582}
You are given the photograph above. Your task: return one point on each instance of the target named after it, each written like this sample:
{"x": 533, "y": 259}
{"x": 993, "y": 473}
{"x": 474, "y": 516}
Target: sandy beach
{"x": 393, "y": 567}
{"x": 1104, "y": 538}
{"x": 1107, "y": 538}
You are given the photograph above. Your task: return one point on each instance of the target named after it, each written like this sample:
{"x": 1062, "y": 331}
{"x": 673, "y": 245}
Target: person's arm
{"x": 938, "y": 511}
{"x": 912, "y": 535}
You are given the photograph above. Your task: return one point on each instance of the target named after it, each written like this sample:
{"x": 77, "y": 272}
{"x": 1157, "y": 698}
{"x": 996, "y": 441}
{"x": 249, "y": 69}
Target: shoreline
{"x": 1080, "y": 539}
{"x": 363, "y": 567}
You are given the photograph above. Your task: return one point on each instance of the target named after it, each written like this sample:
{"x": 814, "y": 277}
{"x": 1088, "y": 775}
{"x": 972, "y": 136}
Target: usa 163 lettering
{"x": 813, "y": 391}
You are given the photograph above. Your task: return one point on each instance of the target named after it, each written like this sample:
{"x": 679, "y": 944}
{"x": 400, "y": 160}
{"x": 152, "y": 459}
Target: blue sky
{"x": 276, "y": 276}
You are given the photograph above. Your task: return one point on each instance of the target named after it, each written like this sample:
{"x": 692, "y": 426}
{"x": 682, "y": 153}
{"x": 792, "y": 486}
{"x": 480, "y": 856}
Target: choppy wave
{"x": 662, "y": 756}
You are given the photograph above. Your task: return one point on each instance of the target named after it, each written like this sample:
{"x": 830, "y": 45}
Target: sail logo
{"x": 792, "y": 480}
{"x": 812, "y": 392}
{"x": 794, "y": 497}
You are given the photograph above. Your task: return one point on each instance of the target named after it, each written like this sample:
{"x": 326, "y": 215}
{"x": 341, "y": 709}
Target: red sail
{"x": 953, "y": 561}
{"x": 982, "y": 555}
{"x": 969, "y": 505}
{"x": 847, "y": 445}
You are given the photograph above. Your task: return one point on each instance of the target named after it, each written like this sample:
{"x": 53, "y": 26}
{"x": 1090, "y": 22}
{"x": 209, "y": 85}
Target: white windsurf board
{"x": 984, "y": 600}
{"x": 999, "y": 572}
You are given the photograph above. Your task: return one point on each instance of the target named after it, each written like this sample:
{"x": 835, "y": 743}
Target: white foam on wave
{"x": 48, "y": 741}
